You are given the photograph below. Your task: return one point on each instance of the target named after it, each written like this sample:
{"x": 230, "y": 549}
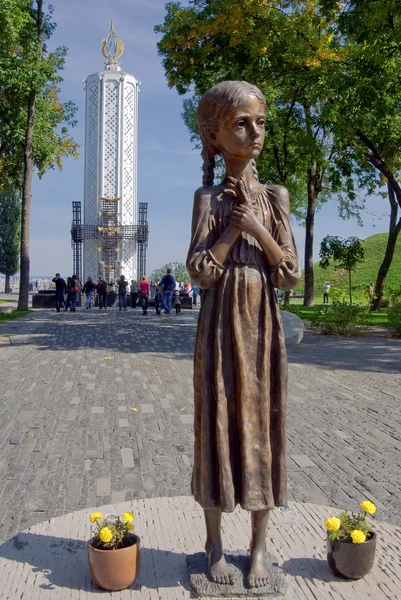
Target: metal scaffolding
{"x": 143, "y": 241}
{"x": 111, "y": 236}
{"x": 76, "y": 244}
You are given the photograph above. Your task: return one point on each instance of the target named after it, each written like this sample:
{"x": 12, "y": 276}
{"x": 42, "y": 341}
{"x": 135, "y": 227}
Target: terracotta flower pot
{"x": 115, "y": 569}
{"x": 352, "y": 561}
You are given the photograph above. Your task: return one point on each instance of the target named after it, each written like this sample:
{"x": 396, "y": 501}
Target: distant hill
{"x": 375, "y": 247}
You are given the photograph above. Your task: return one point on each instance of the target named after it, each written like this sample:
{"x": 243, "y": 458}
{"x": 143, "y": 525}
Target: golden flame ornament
{"x": 112, "y": 46}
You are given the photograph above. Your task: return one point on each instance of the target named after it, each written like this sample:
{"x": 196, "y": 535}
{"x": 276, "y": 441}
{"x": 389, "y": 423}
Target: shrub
{"x": 341, "y": 318}
{"x": 337, "y": 294}
{"x": 289, "y": 307}
{"x": 394, "y": 318}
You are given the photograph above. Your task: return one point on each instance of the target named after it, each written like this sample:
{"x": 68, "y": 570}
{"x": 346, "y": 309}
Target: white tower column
{"x": 111, "y": 144}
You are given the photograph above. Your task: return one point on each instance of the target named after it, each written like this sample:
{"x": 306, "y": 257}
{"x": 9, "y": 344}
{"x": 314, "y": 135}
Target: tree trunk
{"x": 309, "y": 288}
{"x": 7, "y": 284}
{"x": 394, "y": 230}
{"x": 287, "y": 298}
{"x": 349, "y": 281}
{"x": 23, "y": 299}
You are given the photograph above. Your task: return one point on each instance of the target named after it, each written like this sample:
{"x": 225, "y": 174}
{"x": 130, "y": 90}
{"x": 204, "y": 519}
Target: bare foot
{"x": 219, "y": 571}
{"x": 258, "y": 573}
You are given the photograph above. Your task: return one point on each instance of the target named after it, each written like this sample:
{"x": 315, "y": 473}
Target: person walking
{"x": 88, "y": 290}
{"x": 77, "y": 292}
{"x": 134, "y": 292}
{"x": 71, "y": 295}
{"x": 326, "y": 291}
{"x": 111, "y": 295}
{"x": 37, "y": 285}
{"x": 144, "y": 290}
{"x": 122, "y": 292}
{"x": 61, "y": 289}
{"x": 177, "y": 302}
{"x": 101, "y": 288}
{"x": 158, "y": 301}
{"x": 195, "y": 292}
{"x": 168, "y": 286}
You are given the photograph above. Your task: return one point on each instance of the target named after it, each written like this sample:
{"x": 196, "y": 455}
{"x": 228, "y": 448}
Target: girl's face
{"x": 241, "y": 134}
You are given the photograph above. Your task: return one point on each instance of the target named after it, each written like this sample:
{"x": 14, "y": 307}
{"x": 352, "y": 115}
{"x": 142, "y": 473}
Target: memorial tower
{"x": 109, "y": 234}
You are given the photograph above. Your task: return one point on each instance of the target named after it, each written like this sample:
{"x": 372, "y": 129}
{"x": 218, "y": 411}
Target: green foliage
{"x": 179, "y": 271}
{"x": 394, "y": 318}
{"x": 10, "y": 216}
{"x": 364, "y": 272}
{"x": 25, "y": 66}
{"x": 341, "y": 318}
{"x": 292, "y": 308}
{"x": 337, "y": 294}
{"x": 346, "y": 253}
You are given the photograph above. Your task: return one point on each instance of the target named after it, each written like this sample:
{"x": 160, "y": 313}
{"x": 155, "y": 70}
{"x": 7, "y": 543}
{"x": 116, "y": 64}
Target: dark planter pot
{"x": 115, "y": 569}
{"x": 352, "y": 561}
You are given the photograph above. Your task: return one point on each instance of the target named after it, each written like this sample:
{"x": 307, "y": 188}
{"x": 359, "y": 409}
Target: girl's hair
{"x": 143, "y": 277}
{"x": 213, "y": 107}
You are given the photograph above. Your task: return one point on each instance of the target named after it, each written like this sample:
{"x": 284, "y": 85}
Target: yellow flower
{"x": 358, "y": 537}
{"x": 128, "y": 517}
{"x": 130, "y": 527}
{"x": 368, "y": 507}
{"x": 105, "y": 534}
{"x": 95, "y": 517}
{"x": 333, "y": 524}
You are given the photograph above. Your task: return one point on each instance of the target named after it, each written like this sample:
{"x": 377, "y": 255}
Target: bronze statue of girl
{"x": 242, "y": 248}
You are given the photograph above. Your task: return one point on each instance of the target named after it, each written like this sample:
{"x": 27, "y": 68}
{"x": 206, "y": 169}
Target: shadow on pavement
{"x": 309, "y": 568}
{"x": 56, "y": 562}
{"x": 174, "y": 336}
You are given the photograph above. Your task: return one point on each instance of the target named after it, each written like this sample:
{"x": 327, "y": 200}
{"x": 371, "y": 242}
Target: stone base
{"x": 202, "y": 587}
{"x": 45, "y": 299}
{"x": 186, "y": 302}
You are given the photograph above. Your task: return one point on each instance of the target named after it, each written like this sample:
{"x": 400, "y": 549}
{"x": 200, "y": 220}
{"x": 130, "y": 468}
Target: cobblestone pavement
{"x": 96, "y": 408}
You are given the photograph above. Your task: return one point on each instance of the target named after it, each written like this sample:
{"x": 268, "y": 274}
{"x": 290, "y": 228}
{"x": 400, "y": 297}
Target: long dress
{"x": 240, "y": 361}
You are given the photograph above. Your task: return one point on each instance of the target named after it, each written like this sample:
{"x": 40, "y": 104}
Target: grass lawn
{"x": 375, "y": 319}
{"x": 1, "y": 301}
{"x": 4, "y": 317}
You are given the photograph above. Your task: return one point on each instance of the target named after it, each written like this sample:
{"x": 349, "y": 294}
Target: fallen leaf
{"x": 181, "y": 409}
{"x": 107, "y": 358}
{"x": 46, "y": 382}
{"x": 135, "y": 409}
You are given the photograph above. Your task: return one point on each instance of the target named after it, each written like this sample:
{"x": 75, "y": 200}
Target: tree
{"x": 284, "y": 47}
{"x": 178, "y": 269}
{"x": 33, "y": 121}
{"x": 346, "y": 253}
{"x": 364, "y": 107}
{"x": 180, "y": 272}
{"x": 10, "y": 217}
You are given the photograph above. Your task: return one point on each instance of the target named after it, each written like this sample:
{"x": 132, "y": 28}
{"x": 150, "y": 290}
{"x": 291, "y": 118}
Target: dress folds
{"x": 240, "y": 362}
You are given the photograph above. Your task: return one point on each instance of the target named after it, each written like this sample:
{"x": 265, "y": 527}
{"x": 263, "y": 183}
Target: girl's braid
{"x": 255, "y": 170}
{"x": 208, "y": 166}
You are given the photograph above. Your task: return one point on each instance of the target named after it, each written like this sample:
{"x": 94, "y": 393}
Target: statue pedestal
{"x": 202, "y": 587}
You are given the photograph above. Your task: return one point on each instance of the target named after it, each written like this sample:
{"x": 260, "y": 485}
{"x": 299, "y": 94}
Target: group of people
{"x": 66, "y": 292}
{"x": 167, "y": 296}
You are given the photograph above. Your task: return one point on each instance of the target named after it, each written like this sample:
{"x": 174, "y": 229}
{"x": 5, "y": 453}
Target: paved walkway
{"x": 71, "y": 440}
{"x": 49, "y": 561}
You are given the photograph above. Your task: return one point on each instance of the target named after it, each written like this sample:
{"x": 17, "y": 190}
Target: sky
{"x": 169, "y": 170}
